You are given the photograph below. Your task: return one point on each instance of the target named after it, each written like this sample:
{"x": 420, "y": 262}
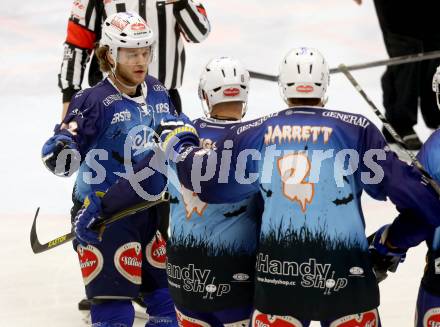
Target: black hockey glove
{"x": 383, "y": 257}
{"x": 61, "y": 143}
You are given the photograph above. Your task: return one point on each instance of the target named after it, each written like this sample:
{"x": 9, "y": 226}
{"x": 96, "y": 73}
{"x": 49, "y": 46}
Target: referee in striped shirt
{"x": 172, "y": 20}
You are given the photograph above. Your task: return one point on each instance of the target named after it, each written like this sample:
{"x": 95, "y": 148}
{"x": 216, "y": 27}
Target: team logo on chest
{"x": 90, "y": 261}
{"x": 128, "y": 261}
{"x": 142, "y": 139}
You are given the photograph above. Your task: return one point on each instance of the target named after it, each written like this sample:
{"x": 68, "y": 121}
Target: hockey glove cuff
{"x": 174, "y": 135}
{"x": 384, "y": 256}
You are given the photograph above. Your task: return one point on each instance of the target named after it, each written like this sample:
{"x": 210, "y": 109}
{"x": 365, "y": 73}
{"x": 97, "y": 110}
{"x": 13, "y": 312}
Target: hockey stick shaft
{"x": 37, "y": 247}
{"x": 386, "y": 62}
{"x": 389, "y": 128}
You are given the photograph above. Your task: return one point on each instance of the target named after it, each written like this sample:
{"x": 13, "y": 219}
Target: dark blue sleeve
{"x": 125, "y": 192}
{"x": 213, "y": 177}
{"x": 85, "y": 119}
{"x": 404, "y": 186}
{"x": 429, "y": 156}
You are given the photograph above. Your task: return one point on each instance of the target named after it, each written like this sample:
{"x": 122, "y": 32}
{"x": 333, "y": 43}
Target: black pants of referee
{"x": 409, "y": 27}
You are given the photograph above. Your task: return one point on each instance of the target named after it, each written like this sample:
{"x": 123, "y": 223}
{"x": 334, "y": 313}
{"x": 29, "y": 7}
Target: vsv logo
{"x": 142, "y": 140}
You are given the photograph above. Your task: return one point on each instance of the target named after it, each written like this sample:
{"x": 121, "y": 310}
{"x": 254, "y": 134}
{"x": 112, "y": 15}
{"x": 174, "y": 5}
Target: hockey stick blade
{"x": 386, "y": 62}
{"x": 37, "y": 247}
{"x": 426, "y": 177}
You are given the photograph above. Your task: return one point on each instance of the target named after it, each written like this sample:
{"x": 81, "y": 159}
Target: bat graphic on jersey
{"x": 345, "y": 200}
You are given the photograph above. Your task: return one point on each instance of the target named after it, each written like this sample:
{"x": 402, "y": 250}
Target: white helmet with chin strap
{"x": 126, "y": 30}
{"x": 304, "y": 73}
{"x": 436, "y": 86}
{"x": 223, "y": 79}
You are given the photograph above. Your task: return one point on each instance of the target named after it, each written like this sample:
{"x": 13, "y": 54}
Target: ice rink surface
{"x": 43, "y": 290}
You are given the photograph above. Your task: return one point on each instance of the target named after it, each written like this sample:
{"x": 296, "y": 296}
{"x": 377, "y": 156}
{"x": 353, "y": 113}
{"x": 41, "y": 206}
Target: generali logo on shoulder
{"x": 231, "y": 92}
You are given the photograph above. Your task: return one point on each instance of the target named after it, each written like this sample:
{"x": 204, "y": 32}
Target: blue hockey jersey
{"x": 113, "y": 130}
{"x": 211, "y": 250}
{"x": 311, "y": 166}
{"x": 429, "y": 157}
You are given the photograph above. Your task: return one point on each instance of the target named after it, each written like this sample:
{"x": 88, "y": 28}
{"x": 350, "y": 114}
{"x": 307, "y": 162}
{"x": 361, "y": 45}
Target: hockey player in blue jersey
{"x": 214, "y": 243}
{"x": 108, "y": 127}
{"x": 211, "y": 251}
{"x": 313, "y": 261}
{"x": 428, "y": 302}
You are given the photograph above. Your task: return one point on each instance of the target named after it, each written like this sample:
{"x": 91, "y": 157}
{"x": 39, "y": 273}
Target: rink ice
{"x": 43, "y": 290}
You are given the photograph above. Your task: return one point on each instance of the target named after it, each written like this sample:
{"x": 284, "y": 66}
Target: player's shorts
{"x": 428, "y": 309}
{"x": 367, "y": 319}
{"x": 129, "y": 260}
{"x": 237, "y": 317}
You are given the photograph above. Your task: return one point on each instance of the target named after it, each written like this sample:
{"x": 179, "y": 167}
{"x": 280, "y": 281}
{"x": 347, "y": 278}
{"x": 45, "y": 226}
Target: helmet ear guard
{"x": 436, "y": 86}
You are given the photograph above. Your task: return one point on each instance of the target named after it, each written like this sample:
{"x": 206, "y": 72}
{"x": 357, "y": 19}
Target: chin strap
{"x": 113, "y": 69}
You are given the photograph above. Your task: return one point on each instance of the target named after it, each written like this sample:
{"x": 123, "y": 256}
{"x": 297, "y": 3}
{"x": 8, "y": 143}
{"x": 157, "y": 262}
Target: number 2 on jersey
{"x": 293, "y": 169}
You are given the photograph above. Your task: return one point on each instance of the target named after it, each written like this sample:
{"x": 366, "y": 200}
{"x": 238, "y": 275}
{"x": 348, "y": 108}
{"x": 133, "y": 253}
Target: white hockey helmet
{"x": 224, "y": 79}
{"x": 126, "y": 30}
{"x": 304, "y": 73}
{"x": 436, "y": 86}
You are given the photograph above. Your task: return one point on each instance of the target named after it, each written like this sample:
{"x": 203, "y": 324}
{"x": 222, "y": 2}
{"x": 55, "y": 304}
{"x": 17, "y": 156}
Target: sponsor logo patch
{"x": 78, "y": 10}
{"x": 242, "y": 323}
{"x": 304, "y": 88}
{"x": 128, "y": 261}
{"x": 159, "y": 88}
{"x": 90, "y": 261}
{"x": 208, "y": 144}
{"x": 111, "y": 98}
{"x": 260, "y": 319}
{"x": 437, "y": 266}
{"x": 241, "y": 277}
{"x": 356, "y": 271}
{"x": 68, "y": 54}
{"x": 156, "y": 252}
{"x": 162, "y": 108}
{"x": 366, "y": 319}
{"x": 138, "y": 27}
{"x": 119, "y": 117}
{"x": 432, "y": 318}
{"x": 185, "y": 321}
{"x": 120, "y": 24}
{"x": 194, "y": 280}
{"x": 231, "y": 92}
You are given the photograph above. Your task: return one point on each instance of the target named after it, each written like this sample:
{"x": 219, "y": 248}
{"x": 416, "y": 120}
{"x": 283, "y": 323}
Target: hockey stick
{"x": 37, "y": 247}
{"x": 387, "y": 62}
{"x": 390, "y": 129}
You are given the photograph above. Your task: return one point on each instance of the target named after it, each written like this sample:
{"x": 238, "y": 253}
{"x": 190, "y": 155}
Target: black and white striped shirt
{"x": 169, "y": 19}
